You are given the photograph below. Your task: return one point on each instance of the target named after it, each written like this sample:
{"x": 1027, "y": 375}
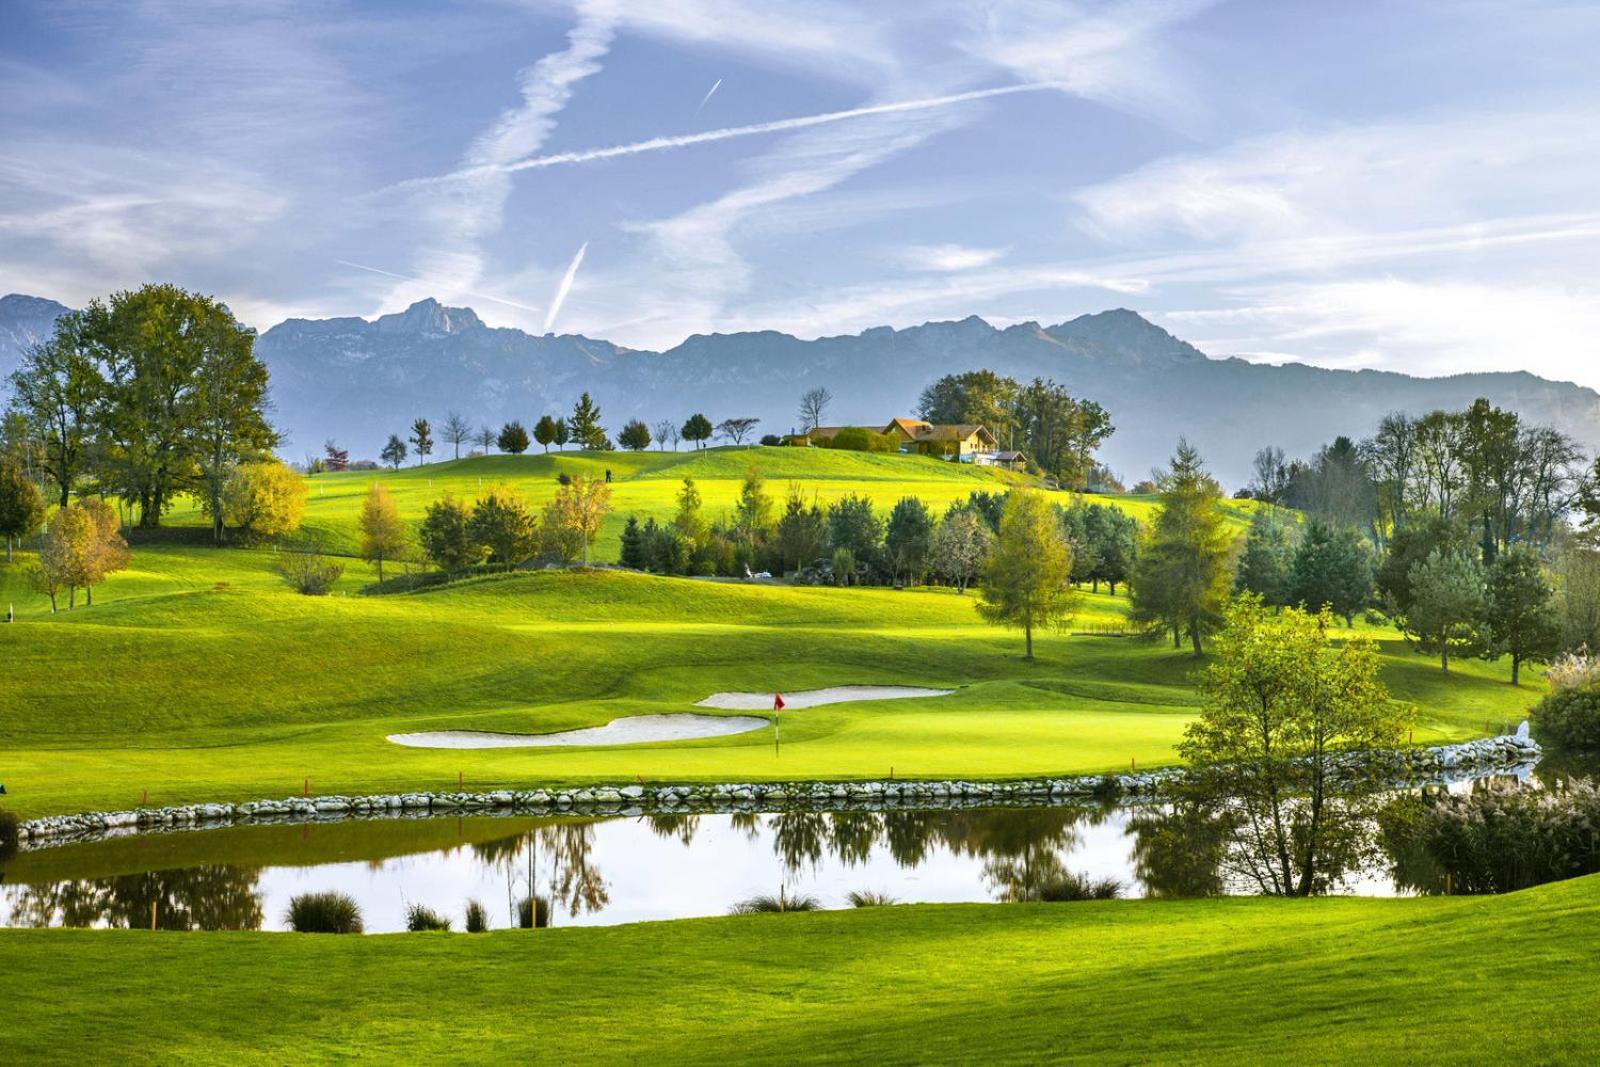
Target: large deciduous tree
{"x": 961, "y": 546}
{"x": 263, "y": 499}
{"x": 1026, "y": 581}
{"x": 22, "y": 507}
{"x": 230, "y": 424}
{"x": 814, "y": 408}
{"x": 697, "y": 430}
{"x": 57, "y": 388}
{"x": 446, "y": 536}
{"x": 456, "y": 430}
{"x": 574, "y": 516}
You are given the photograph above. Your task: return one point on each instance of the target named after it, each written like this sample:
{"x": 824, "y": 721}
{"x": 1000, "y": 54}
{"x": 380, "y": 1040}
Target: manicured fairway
{"x": 200, "y": 676}
{"x": 1457, "y": 980}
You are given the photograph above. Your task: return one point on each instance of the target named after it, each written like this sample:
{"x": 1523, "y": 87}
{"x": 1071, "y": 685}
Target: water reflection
{"x": 621, "y": 869}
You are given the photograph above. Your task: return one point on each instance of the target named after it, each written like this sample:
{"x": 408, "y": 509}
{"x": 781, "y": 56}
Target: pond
{"x": 604, "y": 870}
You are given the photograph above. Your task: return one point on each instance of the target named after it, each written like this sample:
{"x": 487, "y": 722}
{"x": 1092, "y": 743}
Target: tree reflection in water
{"x": 187, "y": 898}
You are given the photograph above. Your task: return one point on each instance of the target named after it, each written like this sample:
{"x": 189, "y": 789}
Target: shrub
{"x": 762, "y": 903}
{"x": 262, "y": 500}
{"x": 1571, "y": 717}
{"x": 861, "y": 439}
{"x": 533, "y": 912}
{"x": 1069, "y": 886}
{"x": 1496, "y": 839}
{"x": 844, "y": 567}
{"x": 771, "y": 439}
{"x": 419, "y": 917}
{"x": 1576, "y": 670}
{"x": 869, "y": 898}
{"x": 477, "y": 921}
{"x": 308, "y": 570}
{"x": 10, "y": 831}
{"x": 325, "y": 913}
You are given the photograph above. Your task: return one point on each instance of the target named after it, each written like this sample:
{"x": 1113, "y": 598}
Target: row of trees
{"x": 144, "y": 396}
{"x": 1060, "y": 432}
{"x": 500, "y": 527}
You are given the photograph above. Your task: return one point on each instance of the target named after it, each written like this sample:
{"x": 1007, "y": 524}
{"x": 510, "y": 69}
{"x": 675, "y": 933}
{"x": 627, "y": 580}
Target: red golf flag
{"x": 777, "y": 702}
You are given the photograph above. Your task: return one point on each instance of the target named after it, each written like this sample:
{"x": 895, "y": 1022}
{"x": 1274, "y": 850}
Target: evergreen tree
{"x": 421, "y": 440}
{"x": 853, "y": 525}
{"x": 1448, "y": 605}
{"x": 583, "y": 425}
{"x": 513, "y": 438}
{"x": 1026, "y": 580}
{"x": 1264, "y": 565}
{"x": 908, "y": 540}
{"x": 1118, "y": 550}
{"x": 446, "y": 536}
{"x": 801, "y": 532}
{"x": 562, "y": 435}
{"x": 1332, "y": 568}
{"x": 1523, "y": 620}
{"x": 635, "y": 436}
{"x": 503, "y": 524}
{"x": 632, "y": 544}
{"x": 1182, "y": 577}
{"x": 394, "y": 453}
{"x": 688, "y": 521}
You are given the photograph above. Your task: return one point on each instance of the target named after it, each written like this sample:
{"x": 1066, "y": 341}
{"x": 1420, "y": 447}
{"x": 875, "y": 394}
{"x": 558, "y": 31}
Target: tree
{"x": 22, "y": 507}
{"x": 688, "y": 520}
{"x": 633, "y": 548}
{"x": 736, "y": 430}
{"x": 1331, "y": 568}
{"x": 1281, "y": 702}
{"x": 335, "y": 459}
{"x": 56, "y": 389}
{"x": 578, "y": 510}
{"x": 852, "y": 524}
{"x": 562, "y": 436}
{"x": 1182, "y": 577}
{"x": 421, "y": 440}
{"x": 1578, "y": 581}
{"x": 446, "y": 537}
{"x": 753, "y": 513}
{"x": 814, "y": 408}
{"x": 635, "y": 436}
{"x": 1026, "y": 582}
{"x": 666, "y": 430}
{"x": 1523, "y": 621}
{"x": 383, "y": 534}
{"x": 1271, "y": 475}
{"x": 908, "y": 539}
{"x": 394, "y": 453}
{"x": 1061, "y": 431}
{"x": 544, "y": 431}
{"x": 264, "y": 499}
{"x": 1117, "y": 552}
{"x": 230, "y": 427}
{"x": 485, "y": 439}
{"x": 1264, "y": 565}
{"x": 457, "y": 430}
{"x": 979, "y": 397}
{"x": 1448, "y": 603}
{"x": 960, "y": 547}
{"x": 513, "y": 438}
{"x": 801, "y": 531}
{"x": 584, "y": 424}
{"x": 697, "y": 429}
{"x": 503, "y": 523}
{"x": 82, "y": 544}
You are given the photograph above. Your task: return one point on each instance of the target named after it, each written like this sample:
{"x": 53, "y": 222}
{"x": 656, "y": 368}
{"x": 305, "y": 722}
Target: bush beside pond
{"x": 325, "y": 913}
{"x": 1571, "y": 717}
{"x": 420, "y": 917}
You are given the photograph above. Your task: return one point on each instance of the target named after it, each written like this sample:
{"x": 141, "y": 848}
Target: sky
{"x": 1411, "y": 185}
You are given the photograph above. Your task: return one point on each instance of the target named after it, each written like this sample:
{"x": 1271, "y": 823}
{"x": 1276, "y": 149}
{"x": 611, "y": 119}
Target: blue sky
{"x": 1407, "y": 185}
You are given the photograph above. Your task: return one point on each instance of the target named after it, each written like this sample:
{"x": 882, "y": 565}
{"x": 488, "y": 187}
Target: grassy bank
{"x": 1460, "y": 980}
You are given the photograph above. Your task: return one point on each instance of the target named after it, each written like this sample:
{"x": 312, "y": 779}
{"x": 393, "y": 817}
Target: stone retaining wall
{"x": 1513, "y": 753}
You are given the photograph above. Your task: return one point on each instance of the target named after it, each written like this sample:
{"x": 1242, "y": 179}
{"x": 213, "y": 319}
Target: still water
{"x": 627, "y": 869}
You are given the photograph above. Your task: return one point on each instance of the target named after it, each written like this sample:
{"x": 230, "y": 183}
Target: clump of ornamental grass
{"x": 533, "y": 912}
{"x": 763, "y": 903}
{"x": 477, "y": 920}
{"x": 420, "y": 917}
{"x": 869, "y": 898}
{"x": 325, "y": 913}
{"x": 1071, "y": 887}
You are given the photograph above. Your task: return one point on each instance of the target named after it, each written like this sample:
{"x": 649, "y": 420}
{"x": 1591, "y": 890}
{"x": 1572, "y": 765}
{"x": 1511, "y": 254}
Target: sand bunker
{"x": 811, "y": 698}
{"x": 636, "y": 729}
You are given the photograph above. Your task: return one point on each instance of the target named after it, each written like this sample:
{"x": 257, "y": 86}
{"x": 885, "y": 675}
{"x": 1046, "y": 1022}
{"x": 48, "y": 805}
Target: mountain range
{"x": 357, "y": 381}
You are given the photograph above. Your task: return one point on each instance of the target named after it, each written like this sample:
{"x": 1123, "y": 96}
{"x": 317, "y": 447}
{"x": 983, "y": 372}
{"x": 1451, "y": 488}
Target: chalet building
{"x": 967, "y": 443}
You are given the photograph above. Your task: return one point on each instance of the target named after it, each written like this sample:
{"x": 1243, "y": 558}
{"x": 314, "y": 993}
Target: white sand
{"x": 811, "y": 698}
{"x": 632, "y": 730}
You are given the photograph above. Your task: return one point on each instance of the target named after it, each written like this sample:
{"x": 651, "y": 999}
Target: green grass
{"x": 1459, "y": 980}
{"x": 201, "y": 676}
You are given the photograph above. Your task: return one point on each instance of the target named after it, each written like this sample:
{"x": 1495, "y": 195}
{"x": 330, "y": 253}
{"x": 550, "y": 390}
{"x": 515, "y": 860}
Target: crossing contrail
{"x": 709, "y": 93}
{"x": 414, "y": 278}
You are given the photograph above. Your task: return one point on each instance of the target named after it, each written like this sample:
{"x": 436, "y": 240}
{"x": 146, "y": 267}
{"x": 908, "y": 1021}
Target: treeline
{"x": 143, "y": 396}
{"x": 1458, "y": 525}
{"x": 851, "y": 542}
{"x": 1059, "y": 432}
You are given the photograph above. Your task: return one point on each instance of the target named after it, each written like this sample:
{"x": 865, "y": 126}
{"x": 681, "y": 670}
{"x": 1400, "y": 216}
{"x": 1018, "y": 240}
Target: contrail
{"x": 656, "y": 144}
{"x": 565, "y": 287}
{"x": 428, "y": 281}
{"x": 709, "y": 93}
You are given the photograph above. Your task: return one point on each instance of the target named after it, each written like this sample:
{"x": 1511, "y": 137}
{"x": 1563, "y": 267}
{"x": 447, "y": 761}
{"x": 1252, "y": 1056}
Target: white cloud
{"x": 948, "y": 257}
